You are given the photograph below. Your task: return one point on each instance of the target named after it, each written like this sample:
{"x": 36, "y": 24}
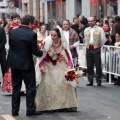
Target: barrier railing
{"x": 110, "y": 56}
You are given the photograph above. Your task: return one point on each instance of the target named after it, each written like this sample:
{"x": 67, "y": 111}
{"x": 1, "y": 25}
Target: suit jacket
{"x": 23, "y": 44}
{"x": 2, "y": 39}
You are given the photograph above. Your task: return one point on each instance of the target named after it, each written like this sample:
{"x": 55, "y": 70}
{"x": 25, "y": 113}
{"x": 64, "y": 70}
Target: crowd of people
{"x": 55, "y": 52}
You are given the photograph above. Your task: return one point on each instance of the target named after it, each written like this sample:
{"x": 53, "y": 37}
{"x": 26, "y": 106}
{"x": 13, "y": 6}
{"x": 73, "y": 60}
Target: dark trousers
{"x": 3, "y": 61}
{"x": 29, "y": 79}
{"x": 94, "y": 58}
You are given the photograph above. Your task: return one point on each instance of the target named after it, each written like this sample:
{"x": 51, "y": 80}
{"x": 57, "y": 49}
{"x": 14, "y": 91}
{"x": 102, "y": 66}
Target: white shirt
{"x": 66, "y": 34}
{"x": 102, "y": 34}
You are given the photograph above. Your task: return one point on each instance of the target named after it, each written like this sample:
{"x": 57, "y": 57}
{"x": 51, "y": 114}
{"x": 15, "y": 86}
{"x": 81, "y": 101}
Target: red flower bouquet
{"x": 72, "y": 77}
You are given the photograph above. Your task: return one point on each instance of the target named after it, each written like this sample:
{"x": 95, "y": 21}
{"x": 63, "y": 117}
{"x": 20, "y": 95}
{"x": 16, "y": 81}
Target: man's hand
{"x": 71, "y": 47}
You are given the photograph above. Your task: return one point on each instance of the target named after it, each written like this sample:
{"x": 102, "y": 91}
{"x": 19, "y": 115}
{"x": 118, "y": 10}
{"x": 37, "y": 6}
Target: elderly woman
{"x": 53, "y": 93}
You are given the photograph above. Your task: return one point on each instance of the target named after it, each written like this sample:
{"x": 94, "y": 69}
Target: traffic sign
{"x": 11, "y": 4}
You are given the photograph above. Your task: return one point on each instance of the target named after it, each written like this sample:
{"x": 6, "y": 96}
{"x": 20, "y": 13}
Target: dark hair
{"x": 15, "y": 15}
{"x": 117, "y": 19}
{"x": 97, "y": 20}
{"x": 113, "y": 38}
{"x": 83, "y": 22}
{"x": 117, "y": 33}
{"x": 77, "y": 15}
{"x": 83, "y": 17}
{"x": 43, "y": 25}
{"x": 28, "y": 19}
{"x": 107, "y": 36}
{"x": 57, "y": 31}
{"x": 67, "y": 21}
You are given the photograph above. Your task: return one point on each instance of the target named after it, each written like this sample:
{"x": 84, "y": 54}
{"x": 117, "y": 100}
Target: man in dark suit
{"x": 23, "y": 44}
{"x": 2, "y": 50}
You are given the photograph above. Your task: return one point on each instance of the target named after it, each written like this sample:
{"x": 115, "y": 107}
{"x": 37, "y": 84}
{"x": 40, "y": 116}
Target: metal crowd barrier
{"x": 110, "y": 56}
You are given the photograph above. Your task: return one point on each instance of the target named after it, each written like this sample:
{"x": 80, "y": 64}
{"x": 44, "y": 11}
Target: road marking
{"x": 8, "y": 117}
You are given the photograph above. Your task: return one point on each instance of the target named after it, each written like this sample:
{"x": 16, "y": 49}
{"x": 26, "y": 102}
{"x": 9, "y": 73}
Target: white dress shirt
{"x": 66, "y": 34}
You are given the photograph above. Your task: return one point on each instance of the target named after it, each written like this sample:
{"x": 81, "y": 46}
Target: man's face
{"x": 91, "y": 21}
{"x": 66, "y": 25}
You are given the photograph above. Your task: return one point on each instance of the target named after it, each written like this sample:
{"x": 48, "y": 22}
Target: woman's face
{"x": 43, "y": 29}
{"x": 110, "y": 24}
{"x": 54, "y": 36}
{"x": 117, "y": 37}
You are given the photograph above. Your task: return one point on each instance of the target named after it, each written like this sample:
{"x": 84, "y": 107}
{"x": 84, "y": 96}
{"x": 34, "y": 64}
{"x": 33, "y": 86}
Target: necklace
{"x": 56, "y": 44}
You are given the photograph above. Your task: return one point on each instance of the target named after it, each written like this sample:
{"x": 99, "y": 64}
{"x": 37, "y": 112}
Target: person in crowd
{"x": 116, "y": 26}
{"x": 117, "y": 44}
{"x": 56, "y": 24}
{"x": 81, "y": 17}
{"x": 106, "y": 28}
{"x": 82, "y": 27}
{"x": 97, "y": 22}
{"x": 94, "y": 38}
{"x": 41, "y": 35}
{"x": 2, "y": 51}
{"x": 110, "y": 41}
{"x": 47, "y": 29}
{"x": 111, "y": 19}
{"x": 107, "y": 39}
{"x": 75, "y": 25}
{"x": 111, "y": 23}
{"x": 23, "y": 44}
{"x": 35, "y": 26}
{"x": 15, "y": 17}
{"x": 117, "y": 38}
{"x": 105, "y": 20}
{"x": 53, "y": 92}
{"x": 72, "y": 38}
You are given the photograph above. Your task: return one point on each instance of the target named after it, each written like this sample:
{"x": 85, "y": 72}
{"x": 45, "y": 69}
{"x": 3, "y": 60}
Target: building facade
{"x": 67, "y": 9}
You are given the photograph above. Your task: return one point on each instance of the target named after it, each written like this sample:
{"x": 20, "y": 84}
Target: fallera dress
{"x": 53, "y": 93}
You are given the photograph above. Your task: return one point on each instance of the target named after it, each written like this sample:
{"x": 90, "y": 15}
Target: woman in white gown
{"x": 53, "y": 93}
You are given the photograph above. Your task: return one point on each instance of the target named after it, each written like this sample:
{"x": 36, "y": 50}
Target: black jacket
{"x": 23, "y": 44}
{"x": 2, "y": 39}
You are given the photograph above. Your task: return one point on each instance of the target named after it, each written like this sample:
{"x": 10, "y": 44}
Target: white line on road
{"x": 8, "y": 117}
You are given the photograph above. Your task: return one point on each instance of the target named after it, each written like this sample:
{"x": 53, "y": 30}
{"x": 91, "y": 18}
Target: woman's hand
{"x": 68, "y": 69}
{"x": 43, "y": 71}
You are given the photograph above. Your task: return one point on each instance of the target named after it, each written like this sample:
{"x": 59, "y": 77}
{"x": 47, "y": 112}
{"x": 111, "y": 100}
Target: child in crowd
{"x": 15, "y": 21}
{"x": 106, "y": 28}
{"x": 117, "y": 37}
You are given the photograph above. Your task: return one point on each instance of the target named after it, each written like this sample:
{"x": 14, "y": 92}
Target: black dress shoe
{"x": 89, "y": 84}
{"x": 34, "y": 113}
{"x": 15, "y": 114}
{"x": 99, "y": 84}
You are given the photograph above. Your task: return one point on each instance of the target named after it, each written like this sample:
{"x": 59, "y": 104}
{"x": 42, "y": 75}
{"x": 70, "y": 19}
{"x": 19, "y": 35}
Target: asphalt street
{"x": 94, "y": 103}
